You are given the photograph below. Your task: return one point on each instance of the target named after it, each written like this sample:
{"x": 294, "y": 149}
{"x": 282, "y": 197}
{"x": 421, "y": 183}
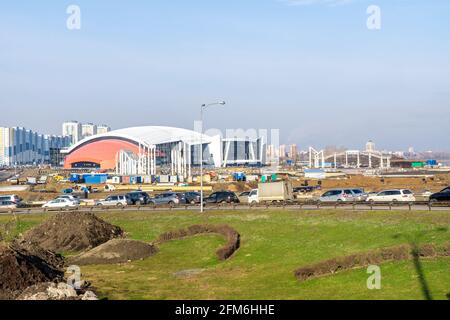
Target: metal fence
{"x": 295, "y": 205}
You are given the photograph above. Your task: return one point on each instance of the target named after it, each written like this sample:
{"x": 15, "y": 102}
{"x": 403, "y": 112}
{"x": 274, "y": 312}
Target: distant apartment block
{"x": 19, "y": 146}
{"x": 79, "y": 131}
{"x": 88, "y": 129}
{"x": 103, "y": 129}
{"x": 72, "y": 129}
{"x": 293, "y": 152}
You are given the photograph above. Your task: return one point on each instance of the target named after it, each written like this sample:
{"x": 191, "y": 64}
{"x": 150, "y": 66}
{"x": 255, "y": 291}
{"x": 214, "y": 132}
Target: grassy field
{"x": 274, "y": 244}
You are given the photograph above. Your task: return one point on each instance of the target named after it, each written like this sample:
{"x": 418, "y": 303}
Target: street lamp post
{"x": 203, "y": 107}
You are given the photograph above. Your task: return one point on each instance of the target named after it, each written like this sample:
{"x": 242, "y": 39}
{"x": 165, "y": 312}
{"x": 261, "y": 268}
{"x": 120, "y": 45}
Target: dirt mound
{"x": 399, "y": 253}
{"x": 20, "y": 269}
{"x": 72, "y": 231}
{"x": 115, "y": 251}
{"x": 232, "y": 236}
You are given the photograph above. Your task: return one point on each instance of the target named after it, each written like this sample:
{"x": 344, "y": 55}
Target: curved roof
{"x": 151, "y": 135}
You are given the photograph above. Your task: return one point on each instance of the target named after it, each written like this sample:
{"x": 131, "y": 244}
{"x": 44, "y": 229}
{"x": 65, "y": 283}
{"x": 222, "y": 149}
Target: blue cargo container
{"x": 432, "y": 163}
{"x": 76, "y": 178}
{"x": 95, "y": 178}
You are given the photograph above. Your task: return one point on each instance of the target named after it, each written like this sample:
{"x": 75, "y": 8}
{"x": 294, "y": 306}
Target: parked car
{"x": 68, "y": 191}
{"x": 398, "y": 195}
{"x": 69, "y": 197}
{"x": 110, "y": 188}
{"x": 342, "y": 195}
{"x": 304, "y": 189}
{"x": 443, "y": 195}
{"x": 6, "y": 204}
{"x": 138, "y": 198}
{"x": 13, "y": 198}
{"x": 60, "y": 203}
{"x": 165, "y": 198}
{"x": 192, "y": 197}
{"x": 113, "y": 200}
{"x": 221, "y": 197}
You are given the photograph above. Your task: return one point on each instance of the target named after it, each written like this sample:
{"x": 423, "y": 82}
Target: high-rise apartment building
{"x": 88, "y": 129}
{"x": 72, "y": 129}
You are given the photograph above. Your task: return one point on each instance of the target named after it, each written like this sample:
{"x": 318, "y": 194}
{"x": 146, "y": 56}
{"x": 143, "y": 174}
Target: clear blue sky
{"x": 313, "y": 70}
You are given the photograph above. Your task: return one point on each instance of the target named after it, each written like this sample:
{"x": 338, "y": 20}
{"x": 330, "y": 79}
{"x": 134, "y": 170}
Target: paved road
{"x": 308, "y": 207}
{"x": 4, "y": 175}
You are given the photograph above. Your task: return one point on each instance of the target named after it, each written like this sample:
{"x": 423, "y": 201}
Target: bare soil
{"x": 115, "y": 251}
{"x": 72, "y": 232}
{"x": 21, "y": 268}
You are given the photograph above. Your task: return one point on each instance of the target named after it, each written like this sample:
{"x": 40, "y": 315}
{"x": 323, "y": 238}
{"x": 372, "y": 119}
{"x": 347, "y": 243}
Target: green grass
{"x": 274, "y": 244}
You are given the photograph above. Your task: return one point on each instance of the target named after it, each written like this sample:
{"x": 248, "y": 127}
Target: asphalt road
{"x": 309, "y": 207}
{"x": 4, "y": 175}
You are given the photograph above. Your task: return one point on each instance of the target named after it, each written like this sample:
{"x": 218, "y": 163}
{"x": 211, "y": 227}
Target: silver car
{"x": 116, "y": 200}
{"x": 165, "y": 198}
{"x": 343, "y": 195}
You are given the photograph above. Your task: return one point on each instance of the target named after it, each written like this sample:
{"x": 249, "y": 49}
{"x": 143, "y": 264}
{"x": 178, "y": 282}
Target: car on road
{"x": 244, "y": 197}
{"x": 443, "y": 195}
{"x": 395, "y": 195}
{"x": 192, "y": 197}
{"x": 69, "y": 197}
{"x": 13, "y": 198}
{"x": 221, "y": 197}
{"x": 138, "y": 198}
{"x": 343, "y": 195}
{"x": 171, "y": 198}
{"x": 360, "y": 195}
{"x": 60, "y": 203}
{"x": 113, "y": 200}
{"x": 6, "y": 204}
{"x": 304, "y": 189}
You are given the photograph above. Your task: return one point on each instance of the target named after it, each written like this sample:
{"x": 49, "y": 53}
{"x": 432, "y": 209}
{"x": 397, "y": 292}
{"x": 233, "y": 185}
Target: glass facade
{"x": 24, "y": 147}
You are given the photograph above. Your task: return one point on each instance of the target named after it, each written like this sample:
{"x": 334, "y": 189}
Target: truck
{"x": 280, "y": 191}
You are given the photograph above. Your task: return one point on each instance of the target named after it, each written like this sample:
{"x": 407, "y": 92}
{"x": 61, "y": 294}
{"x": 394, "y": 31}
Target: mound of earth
{"x": 72, "y": 231}
{"x": 21, "y": 268}
{"x": 359, "y": 260}
{"x": 232, "y": 236}
{"x": 115, "y": 251}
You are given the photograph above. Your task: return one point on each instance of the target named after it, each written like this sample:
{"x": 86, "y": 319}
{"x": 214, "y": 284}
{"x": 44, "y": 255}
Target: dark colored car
{"x": 192, "y": 197}
{"x": 443, "y": 195}
{"x": 138, "y": 198}
{"x": 304, "y": 189}
{"x": 222, "y": 197}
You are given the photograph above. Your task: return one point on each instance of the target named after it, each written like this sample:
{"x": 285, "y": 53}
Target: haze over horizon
{"x": 309, "y": 68}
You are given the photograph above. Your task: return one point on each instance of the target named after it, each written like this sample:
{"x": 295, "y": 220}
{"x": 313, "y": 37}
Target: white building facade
{"x": 73, "y": 129}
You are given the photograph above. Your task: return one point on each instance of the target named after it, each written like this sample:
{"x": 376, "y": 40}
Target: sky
{"x": 310, "y": 68}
